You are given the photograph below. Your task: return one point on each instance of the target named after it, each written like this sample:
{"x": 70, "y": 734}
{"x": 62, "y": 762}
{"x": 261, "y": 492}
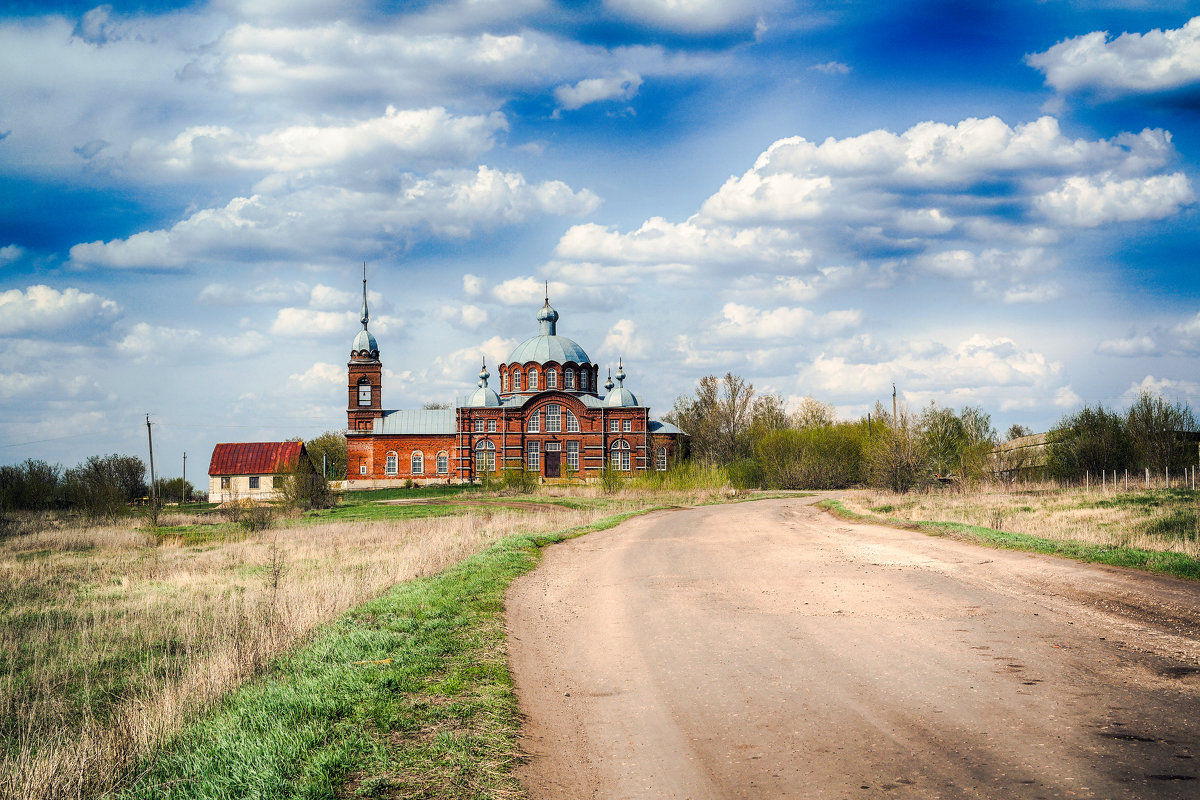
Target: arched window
{"x": 660, "y": 459}
{"x": 569, "y": 379}
{"x": 393, "y": 464}
{"x": 485, "y": 457}
{"x": 443, "y": 463}
{"x": 418, "y": 462}
{"x": 620, "y": 455}
{"x": 583, "y": 380}
{"x": 551, "y": 379}
{"x": 572, "y": 423}
{"x": 517, "y": 381}
{"x": 534, "y": 423}
{"x": 533, "y": 381}
{"x": 554, "y": 418}
{"x": 504, "y": 381}
{"x": 364, "y": 392}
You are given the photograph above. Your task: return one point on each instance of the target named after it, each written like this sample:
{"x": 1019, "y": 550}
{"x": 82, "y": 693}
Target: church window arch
{"x": 572, "y": 423}
{"x": 534, "y": 423}
{"x": 418, "y": 462}
{"x": 553, "y": 418}
{"x": 660, "y": 459}
{"x": 620, "y": 455}
{"x": 392, "y": 466}
{"x": 551, "y": 378}
{"x": 583, "y": 379}
{"x": 568, "y": 379}
{"x": 443, "y": 463}
{"x": 533, "y": 380}
{"x": 517, "y": 380}
{"x": 485, "y": 457}
{"x": 364, "y": 392}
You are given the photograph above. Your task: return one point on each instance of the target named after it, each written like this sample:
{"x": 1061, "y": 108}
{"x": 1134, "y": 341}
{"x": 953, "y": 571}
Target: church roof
{"x": 254, "y": 458}
{"x": 658, "y": 426}
{"x": 547, "y": 347}
{"x": 418, "y": 420}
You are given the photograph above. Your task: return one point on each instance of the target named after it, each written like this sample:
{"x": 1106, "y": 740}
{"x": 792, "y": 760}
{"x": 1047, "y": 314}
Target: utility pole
{"x": 150, "y": 438}
{"x": 895, "y": 420}
{"x": 183, "y": 489}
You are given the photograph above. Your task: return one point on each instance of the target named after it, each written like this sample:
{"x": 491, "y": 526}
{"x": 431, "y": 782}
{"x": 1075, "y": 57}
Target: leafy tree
{"x": 1090, "y": 440}
{"x": 175, "y": 490}
{"x": 101, "y": 487}
{"x": 1016, "y": 431}
{"x": 813, "y": 414}
{"x": 1154, "y": 426}
{"x": 825, "y": 457}
{"x": 329, "y": 450}
{"x": 32, "y": 485}
{"x": 718, "y": 418}
{"x": 895, "y": 457}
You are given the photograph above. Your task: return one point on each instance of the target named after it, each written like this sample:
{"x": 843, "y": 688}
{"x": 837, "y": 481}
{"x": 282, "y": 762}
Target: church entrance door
{"x": 553, "y": 464}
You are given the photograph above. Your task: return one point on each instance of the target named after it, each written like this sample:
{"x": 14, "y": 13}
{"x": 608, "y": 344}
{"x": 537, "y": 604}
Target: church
{"x": 551, "y": 416}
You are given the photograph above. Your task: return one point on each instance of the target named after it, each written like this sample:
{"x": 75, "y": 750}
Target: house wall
{"x": 239, "y": 488}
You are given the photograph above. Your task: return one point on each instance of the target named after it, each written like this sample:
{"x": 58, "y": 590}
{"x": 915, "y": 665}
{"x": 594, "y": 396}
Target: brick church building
{"x": 551, "y": 416}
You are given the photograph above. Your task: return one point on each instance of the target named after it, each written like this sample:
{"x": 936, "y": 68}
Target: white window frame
{"x": 614, "y": 426}
{"x": 392, "y": 465}
{"x": 517, "y": 381}
{"x": 533, "y": 380}
{"x": 660, "y": 459}
{"x": 620, "y": 455}
{"x": 485, "y": 456}
{"x": 364, "y": 397}
{"x": 478, "y": 426}
{"x": 491, "y": 426}
{"x": 554, "y": 418}
{"x": 443, "y": 463}
{"x": 573, "y": 455}
{"x": 568, "y": 379}
{"x": 551, "y": 379}
{"x": 572, "y": 422}
{"x": 626, "y": 426}
{"x": 583, "y": 379}
{"x": 416, "y": 463}
{"x": 533, "y": 456}
{"x": 534, "y": 423}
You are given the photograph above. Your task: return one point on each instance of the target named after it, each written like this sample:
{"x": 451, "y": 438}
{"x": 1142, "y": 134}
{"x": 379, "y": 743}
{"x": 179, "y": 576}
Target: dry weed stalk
{"x": 173, "y": 628}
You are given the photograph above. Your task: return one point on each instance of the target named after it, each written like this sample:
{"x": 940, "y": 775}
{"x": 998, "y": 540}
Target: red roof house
{"x": 248, "y": 469}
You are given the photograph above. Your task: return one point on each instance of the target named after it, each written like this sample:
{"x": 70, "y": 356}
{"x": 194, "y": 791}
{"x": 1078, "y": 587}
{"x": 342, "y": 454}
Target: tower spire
{"x": 365, "y": 315}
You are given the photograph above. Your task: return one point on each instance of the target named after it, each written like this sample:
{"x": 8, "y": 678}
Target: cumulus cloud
{"x": 15, "y": 385}
{"x": 692, "y": 16}
{"x": 318, "y": 378}
{"x": 145, "y": 341}
{"x": 326, "y": 222}
{"x": 1130, "y": 63}
{"x": 40, "y": 308}
{"x": 304, "y": 323}
{"x": 10, "y": 254}
{"x": 1133, "y": 346}
{"x": 594, "y": 90}
{"x": 746, "y": 322}
{"x": 623, "y": 340}
{"x": 995, "y": 371}
{"x": 468, "y": 316}
{"x": 979, "y": 200}
{"x": 422, "y": 135}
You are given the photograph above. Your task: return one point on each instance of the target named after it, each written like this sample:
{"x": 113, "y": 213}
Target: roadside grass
{"x": 1155, "y": 530}
{"x": 113, "y": 637}
{"x": 406, "y": 696}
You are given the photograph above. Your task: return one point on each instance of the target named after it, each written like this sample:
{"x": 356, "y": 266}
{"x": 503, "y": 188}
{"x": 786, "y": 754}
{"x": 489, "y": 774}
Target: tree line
{"x": 99, "y": 487}
{"x": 762, "y": 444}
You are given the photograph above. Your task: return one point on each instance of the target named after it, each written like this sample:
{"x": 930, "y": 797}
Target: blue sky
{"x": 986, "y": 203}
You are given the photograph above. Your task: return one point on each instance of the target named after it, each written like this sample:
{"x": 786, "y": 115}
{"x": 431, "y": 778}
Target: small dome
{"x": 483, "y": 397}
{"x": 619, "y": 397}
{"x": 365, "y": 341}
{"x": 547, "y": 314}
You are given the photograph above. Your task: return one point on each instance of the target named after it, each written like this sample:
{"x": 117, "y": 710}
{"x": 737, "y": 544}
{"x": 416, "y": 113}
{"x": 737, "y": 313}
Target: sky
{"x": 983, "y": 203}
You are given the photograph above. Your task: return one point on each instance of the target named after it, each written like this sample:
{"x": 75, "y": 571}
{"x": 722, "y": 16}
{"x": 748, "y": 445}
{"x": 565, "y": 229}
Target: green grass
{"x": 438, "y": 720}
{"x": 1170, "y": 563}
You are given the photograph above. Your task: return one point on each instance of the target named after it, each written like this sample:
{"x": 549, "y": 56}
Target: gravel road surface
{"x": 770, "y": 650}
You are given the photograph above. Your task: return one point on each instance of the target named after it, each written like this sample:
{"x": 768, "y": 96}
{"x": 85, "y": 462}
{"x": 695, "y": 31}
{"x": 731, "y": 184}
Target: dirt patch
{"x": 498, "y": 504}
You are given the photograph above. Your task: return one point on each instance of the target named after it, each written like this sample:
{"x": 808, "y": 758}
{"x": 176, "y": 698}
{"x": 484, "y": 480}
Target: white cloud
{"x": 746, "y": 322}
{"x": 303, "y": 323}
{"x": 41, "y": 308}
{"x": 468, "y": 316}
{"x": 327, "y": 297}
{"x": 326, "y": 222}
{"x": 692, "y": 16}
{"x": 472, "y": 285}
{"x": 1134, "y": 346}
{"x": 272, "y": 292}
{"x": 832, "y": 68}
{"x": 623, "y": 340}
{"x": 1033, "y": 293}
{"x": 1190, "y": 327}
{"x": 318, "y": 378}
{"x": 10, "y": 254}
{"x": 1088, "y": 202}
{"x": 145, "y": 341}
{"x": 246, "y": 343}
{"x": 420, "y": 135}
{"x": 623, "y": 86}
{"x": 45, "y": 386}
{"x": 1130, "y": 63}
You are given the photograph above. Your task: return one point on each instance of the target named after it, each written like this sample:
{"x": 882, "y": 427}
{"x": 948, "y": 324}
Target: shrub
{"x": 305, "y": 490}
{"x": 256, "y": 517}
{"x": 519, "y": 479}
{"x": 745, "y": 473}
{"x": 610, "y": 479}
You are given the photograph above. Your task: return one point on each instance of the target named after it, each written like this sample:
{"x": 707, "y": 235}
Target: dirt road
{"x": 769, "y": 650}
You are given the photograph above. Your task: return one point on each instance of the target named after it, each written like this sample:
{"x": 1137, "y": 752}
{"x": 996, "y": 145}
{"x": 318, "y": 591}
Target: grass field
{"x": 1157, "y": 530}
{"x": 113, "y": 638}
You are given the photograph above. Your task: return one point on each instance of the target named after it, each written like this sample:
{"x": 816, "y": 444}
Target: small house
{"x": 249, "y": 470}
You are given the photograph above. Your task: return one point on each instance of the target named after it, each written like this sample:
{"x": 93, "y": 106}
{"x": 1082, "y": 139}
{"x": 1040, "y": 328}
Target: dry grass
{"x": 1162, "y": 520}
{"x": 110, "y": 638}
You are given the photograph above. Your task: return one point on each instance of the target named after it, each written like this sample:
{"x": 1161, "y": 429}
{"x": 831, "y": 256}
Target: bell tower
{"x": 364, "y": 377}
